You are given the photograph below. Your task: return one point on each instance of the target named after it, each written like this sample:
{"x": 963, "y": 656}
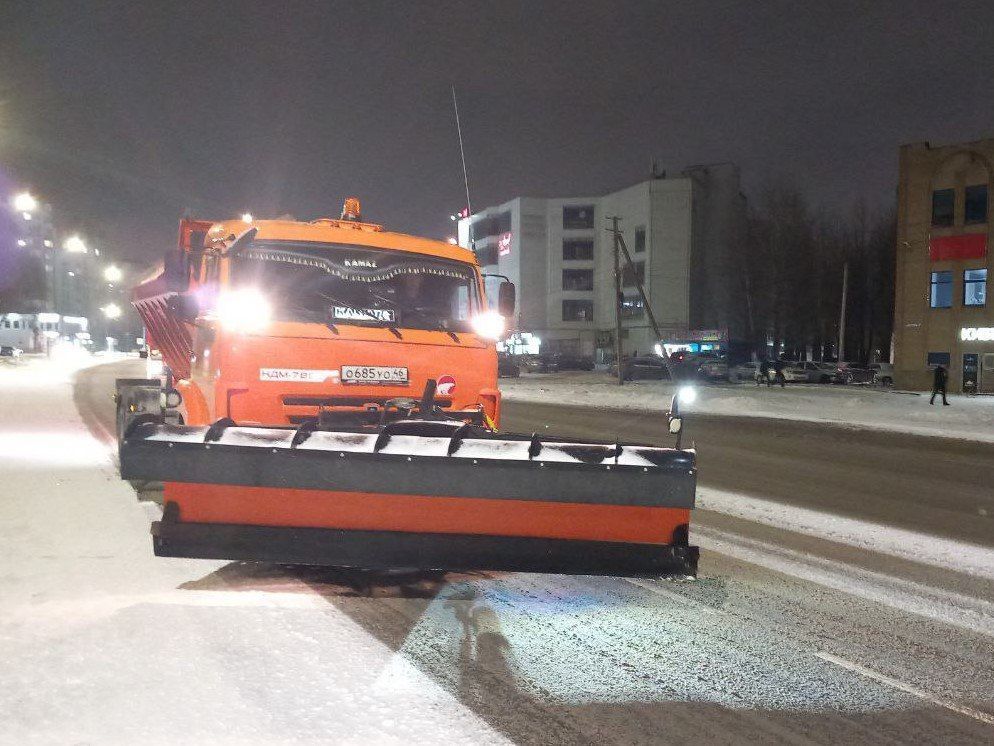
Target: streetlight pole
{"x": 842, "y": 311}
{"x": 617, "y": 299}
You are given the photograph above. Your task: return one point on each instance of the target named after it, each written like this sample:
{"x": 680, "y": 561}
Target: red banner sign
{"x": 966, "y": 246}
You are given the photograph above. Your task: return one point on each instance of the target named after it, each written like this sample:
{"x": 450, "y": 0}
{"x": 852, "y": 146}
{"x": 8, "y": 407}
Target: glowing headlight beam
{"x": 489, "y": 324}
{"x": 244, "y": 311}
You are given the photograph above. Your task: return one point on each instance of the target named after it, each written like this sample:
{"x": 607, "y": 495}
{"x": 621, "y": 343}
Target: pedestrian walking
{"x": 764, "y": 373}
{"x": 939, "y": 379}
{"x": 778, "y": 376}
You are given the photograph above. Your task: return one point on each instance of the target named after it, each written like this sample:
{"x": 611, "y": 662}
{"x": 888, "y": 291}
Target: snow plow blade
{"x": 417, "y": 495}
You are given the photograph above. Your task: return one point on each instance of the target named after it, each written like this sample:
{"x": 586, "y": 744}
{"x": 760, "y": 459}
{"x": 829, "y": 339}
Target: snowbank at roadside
{"x": 970, "y": 418}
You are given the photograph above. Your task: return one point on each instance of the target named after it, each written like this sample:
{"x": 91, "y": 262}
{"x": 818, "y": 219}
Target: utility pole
{"x": 842, "y": 311}
{"x": 617, "y": 301}
{"x": 619, "y": 242}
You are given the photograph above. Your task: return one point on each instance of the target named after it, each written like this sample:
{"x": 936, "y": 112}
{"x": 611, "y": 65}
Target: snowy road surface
{"x": 858, "y": 406}
{"x": 814, "y": 619}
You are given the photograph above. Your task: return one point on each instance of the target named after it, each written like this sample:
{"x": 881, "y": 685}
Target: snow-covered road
{"x": 793, "y": 634}
{"x": 858, "y": 406}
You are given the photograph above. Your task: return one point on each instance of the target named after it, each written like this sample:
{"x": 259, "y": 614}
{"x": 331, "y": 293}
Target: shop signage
{"x": 977, "y": 334}
{"x": 504, "y": 244}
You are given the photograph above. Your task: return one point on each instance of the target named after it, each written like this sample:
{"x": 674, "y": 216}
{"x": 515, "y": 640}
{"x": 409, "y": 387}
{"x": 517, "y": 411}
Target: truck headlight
{"x": 489, "y": 324}
{"x": 246, "y": 310}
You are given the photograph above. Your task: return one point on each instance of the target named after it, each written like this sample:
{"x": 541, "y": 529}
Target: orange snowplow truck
{"x": 330, "y": 398}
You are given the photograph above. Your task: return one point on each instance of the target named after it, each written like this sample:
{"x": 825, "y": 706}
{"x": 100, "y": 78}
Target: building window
{"x": 943, "y": 205}
{"x": 487, "y": 255}
{"x": 640, "y": 238}
{"x": 975, "y": 287}
{"x": 578, "y": 310}
{"x": 578, "y": 217}
{"x": 975, "y": 209}
{"x": 491, "y": 226}
{"x": 941, "y": 295}
{"x": 938, "y": 358}
{"x": 578, "y": 249}
{"x": 628, "y": 277}
{"x": 632, "y": 308}
{"x": 578, "y": 279}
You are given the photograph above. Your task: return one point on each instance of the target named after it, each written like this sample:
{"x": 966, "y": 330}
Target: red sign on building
{"x": 966, "y": 246}
{"x": 504, "y": 244}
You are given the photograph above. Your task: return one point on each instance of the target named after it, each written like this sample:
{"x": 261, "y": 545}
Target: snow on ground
{"x": 964, "y": 557}
{"x": 102, "y": 642}
{"x": 969, "y": 417}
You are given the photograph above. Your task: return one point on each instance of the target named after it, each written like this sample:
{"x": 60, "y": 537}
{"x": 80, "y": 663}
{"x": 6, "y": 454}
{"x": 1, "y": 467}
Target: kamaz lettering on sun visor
{"x": 370, "y": 266}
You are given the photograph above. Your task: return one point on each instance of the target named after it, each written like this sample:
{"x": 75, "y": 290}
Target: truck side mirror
{"x": 506, "y": 297}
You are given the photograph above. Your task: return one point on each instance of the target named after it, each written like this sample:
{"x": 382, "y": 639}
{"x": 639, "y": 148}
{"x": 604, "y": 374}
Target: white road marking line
{"x": 660, "y": 591}
{"x": 966, "y": 612}
{"x": 914, "y": 546}
{"x": 969, "y": 712}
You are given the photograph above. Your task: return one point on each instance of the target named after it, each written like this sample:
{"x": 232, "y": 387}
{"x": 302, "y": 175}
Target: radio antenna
{"x": 462, "y": 153}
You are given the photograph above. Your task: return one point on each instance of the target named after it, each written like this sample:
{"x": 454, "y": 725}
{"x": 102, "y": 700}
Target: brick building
{"x": 942, "y": 316}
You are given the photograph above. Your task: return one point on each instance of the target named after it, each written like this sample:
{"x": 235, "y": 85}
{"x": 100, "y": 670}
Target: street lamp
{"x": 113, "y": 274}
{"x": 75, "y": 245}
{"x": 111, "y": 311}
{"x": 25, "y": 202}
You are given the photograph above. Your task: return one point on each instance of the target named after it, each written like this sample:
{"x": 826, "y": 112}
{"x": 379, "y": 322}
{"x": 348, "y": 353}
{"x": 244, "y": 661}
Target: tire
{"x": 825, "y": 379}
{"x": 886, "y": 381}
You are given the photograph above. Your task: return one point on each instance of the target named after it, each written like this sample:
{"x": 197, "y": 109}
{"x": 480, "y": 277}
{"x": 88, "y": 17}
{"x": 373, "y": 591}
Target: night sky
{"x": 125, "y": 115}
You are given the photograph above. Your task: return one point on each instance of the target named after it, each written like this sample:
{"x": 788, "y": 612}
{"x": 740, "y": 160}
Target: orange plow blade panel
{"x": 429, "y": 494}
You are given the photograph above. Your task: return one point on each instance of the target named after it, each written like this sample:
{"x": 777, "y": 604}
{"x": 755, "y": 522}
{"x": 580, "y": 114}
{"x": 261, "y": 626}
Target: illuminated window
{"x": 632, "y": 308}
{"x": 975, "y": 287}
{"x": 975, "y": 209}
{"x": 943, "y": 206}
{"x": 578, "y": 310}
{"x": 941, "y": 295}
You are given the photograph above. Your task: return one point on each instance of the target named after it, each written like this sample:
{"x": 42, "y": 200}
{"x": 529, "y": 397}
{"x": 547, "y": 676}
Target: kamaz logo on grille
{"x": 368, "y": 263}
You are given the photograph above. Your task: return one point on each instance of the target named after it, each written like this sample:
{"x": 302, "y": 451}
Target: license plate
{"x": 374, "y": 375}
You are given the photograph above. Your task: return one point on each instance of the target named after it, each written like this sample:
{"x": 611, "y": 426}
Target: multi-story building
{"x": 684, "y": 234}
{"x": 52, "y": 289}
{"x": 942, "y": 316}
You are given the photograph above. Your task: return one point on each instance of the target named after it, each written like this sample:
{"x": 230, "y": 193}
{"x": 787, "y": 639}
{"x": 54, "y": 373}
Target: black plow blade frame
{"x": 388, "y": 550}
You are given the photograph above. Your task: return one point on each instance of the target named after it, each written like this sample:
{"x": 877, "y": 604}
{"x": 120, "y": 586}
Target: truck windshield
{"x": 343, "y": 284}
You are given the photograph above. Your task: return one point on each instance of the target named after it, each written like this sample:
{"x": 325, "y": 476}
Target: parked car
{"x": 551, "y": 362}
{"x": 854, "y": 373}
{"x": 883, "y": 374}
{"x": 715, "y": 369}
{"x": 10, "y": 351}
{"x": 816, "y": 372}
{"x": 793, "y": 372}
{"x": 744, "y": 372}
{"x": 642, "y": 367}
{"x": 507, "y": 366}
